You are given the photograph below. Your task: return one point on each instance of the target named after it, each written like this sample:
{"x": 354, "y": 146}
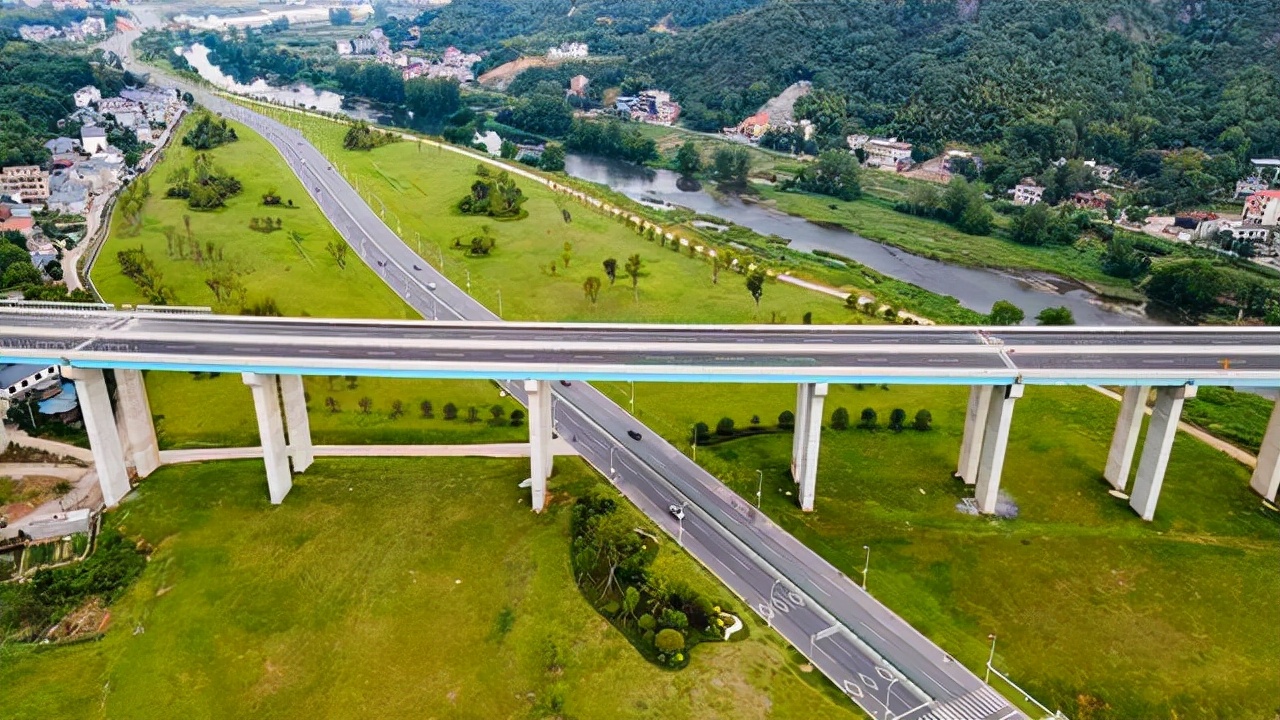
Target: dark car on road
{"x": 633, "y": 434}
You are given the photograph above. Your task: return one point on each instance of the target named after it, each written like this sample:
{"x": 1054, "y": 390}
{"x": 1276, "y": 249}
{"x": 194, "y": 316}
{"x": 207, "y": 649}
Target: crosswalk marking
{"x": 976, "y": 705}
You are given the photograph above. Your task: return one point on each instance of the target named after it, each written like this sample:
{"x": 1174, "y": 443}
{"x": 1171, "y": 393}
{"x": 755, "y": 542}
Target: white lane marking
{"x": 873, "y": 632}
{"x": 869, "y": 682}
{"x": 852, "y": 690}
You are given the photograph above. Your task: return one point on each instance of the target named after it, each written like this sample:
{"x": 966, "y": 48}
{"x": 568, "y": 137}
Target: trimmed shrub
{"x": 786, "y": 420}
{"x": 669, "y": 640}
{"x": 840, "y": 419}
{"x": 924, "y": 421}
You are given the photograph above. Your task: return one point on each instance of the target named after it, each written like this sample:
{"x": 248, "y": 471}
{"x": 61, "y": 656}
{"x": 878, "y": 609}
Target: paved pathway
{"x": 1197, "y": 433}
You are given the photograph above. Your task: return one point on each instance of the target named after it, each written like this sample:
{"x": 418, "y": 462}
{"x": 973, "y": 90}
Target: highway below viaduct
{"x": 875, "y": 657}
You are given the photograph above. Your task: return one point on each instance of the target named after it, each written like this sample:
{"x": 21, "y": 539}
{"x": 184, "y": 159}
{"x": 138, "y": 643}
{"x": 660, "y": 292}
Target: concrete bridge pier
{"x": 1156, "y": 448}
{"x": 297, "y": 425}
{"x": 266, "y": 404}
{"x": 807, "y": 439}
{"x": 995, "y": 441}
{"x": 540, "y": 429}
{"x": 975, "y": 424}
{"x": 104, "y": 438}
{"x": 1133, "y": 407}
{"x": 140, "y": 443}
{"x": 1266, "y": 476}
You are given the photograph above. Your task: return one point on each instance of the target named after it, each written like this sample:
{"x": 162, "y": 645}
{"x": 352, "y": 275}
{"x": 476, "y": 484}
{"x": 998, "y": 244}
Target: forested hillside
{"x": 1104, "y": 79}
{"x": 608, "y": 25}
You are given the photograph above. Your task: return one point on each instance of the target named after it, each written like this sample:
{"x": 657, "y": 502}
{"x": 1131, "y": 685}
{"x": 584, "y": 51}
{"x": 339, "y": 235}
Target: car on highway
{"x": 418, "y": 268}
{"x": 633, "y": 435}
{"x": 677, "y": 511}
{"x": 566, "y": 383}
{"x": 431, "y": 286}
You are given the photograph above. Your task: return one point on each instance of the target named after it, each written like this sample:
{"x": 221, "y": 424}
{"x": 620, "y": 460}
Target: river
{"x": 977, "y": 289}
{"x": 298, "y": 94}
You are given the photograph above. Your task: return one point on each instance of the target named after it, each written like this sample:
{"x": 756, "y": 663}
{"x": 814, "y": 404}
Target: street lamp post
{"x": 633, "y": 397}
{"x": 468, "y": 281}
{"x": 866, "y": 565}
{"x": 499, "y": 302}
{"x": 990, "y": 658}
{"x": 759, "y": 487}
{"x": 611, "y": 470}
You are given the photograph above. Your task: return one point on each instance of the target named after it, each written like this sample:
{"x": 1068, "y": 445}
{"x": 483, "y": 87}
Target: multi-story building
{"x": 27, "y": 182}
{"x": 86, "y": 96}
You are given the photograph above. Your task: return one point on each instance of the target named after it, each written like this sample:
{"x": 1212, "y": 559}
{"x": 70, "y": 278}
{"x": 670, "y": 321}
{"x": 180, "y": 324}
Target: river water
{"x": 300, "y": 94}
{"x": 975, "y": 288}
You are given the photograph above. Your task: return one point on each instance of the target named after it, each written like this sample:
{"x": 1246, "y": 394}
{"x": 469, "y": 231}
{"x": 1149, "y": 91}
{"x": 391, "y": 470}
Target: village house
{"x": 752, "y": 127}
{"x": 38, "y": 33}
{"x": 887, "y": 152}
{"x": 93, "y": 140}
{"x": 1027, "y": 192}
{"x": 86, "y": 96}
{"x": 27, "y": 183}
{"x": 578, "y": 85}
{"x": 67, "y": 193}
{"x": 1092, "y": 200}
{"x": 1262, "y": 208}
{"x": 17, "y": 217}
{"x": 568, "y": 51}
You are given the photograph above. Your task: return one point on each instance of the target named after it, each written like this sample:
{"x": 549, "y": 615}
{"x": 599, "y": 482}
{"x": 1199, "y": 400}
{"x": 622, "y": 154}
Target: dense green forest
{"x": 36, "y": 84}
{"x": 1044, "y": 78}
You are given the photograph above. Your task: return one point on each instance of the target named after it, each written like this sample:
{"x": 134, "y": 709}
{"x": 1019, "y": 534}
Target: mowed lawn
{"x": 378, "y": 590}
{"x": 420, "y": 186}
{"x": 1174, "y": 618}
{"x": 303, "y": 279}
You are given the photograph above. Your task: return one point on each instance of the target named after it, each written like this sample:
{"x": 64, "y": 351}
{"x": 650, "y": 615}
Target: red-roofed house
{"x": 754, "y": 126}
{"x": 1262, "y": 208}
{"x": 9, "y": 221}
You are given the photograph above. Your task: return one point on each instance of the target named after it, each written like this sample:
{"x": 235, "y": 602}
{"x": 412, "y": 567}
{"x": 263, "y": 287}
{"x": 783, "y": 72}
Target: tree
{"x": 20, "y": 274}
{"x": 428, "y": 412}
{"x": 507, "y": 150}
{"x": 431, "y": 100}
{"x": 835, "y": 173}
{"x": 53, "y": 269}
{"x": 366, "y": 404}
{"x": 1004, "y": 312}
{"x": 897, "y": 418}
{"x": 496, "y": 412}
{"x": 1056, "y": 316}
{"x": 868, "y": 419}
{"x": 552, "y": 159}
{"x": 701, "y": 433}
{"x": 786, "y": 420}
{"x": 730, "y": 166}
{"x": 840, "y": 419}
{"x": 1190, "y": 286}
{"x": 450, "y": 411}
{"x": 331, "y": 405}
{"x": 755, "y": 285}
{"x": 566, "y": 253}
{"x": 473, "y": 414}
{"x": 611, "y": 269}
{"x": 724, "y": 428}
{"x": 688, "y": 159}
{"x": 517, "y": 417}
{"x": 591, "y": 287}
{"x": 630, "y": 601}
{"x": 923, "y": 421}
{"x": 632, "y": 268}
{"x": 669, "y": 640}
{"x": 339, "y": 16}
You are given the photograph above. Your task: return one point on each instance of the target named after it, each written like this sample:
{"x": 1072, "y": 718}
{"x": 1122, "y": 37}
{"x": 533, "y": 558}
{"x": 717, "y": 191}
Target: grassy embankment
{"x": 303, "y": 279}
{"x": 383, "y": 588}
{"x": 1087, "y": 600}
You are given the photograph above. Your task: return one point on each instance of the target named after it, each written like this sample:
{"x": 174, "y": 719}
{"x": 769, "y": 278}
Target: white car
{"x": 677, "y": 511}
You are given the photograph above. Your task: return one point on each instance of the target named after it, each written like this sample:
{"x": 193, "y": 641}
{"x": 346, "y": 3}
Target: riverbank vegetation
{"x": 426, "y": 584}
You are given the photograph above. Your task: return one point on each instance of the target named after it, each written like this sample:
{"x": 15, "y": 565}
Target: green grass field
{"x": 1161, "y": 620}
{"x": 303, "y": 280}
{"x": 376, "y": 591}
{"x": 1089, "y": 602}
